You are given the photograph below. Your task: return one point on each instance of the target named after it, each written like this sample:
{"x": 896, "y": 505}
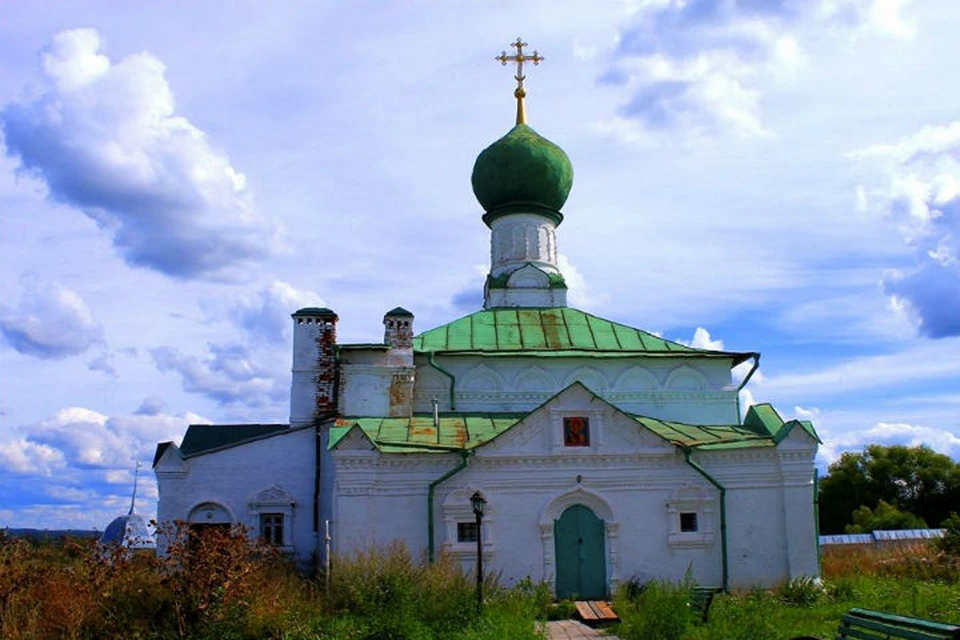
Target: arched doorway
{"x": 580, "y": 554}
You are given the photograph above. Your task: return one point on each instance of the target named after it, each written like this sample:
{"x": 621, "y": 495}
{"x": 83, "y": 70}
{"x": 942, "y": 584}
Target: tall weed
{"x": 658, "y": 611}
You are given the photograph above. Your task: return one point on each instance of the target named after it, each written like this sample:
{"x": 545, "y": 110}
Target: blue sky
{"x": 781, "y": 176}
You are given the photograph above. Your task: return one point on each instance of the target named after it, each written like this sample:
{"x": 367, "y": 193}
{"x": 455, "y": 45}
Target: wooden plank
{"x": 608, "y": 613}
{"x": 596, "y": 610}
{"x": 583, "y": 608}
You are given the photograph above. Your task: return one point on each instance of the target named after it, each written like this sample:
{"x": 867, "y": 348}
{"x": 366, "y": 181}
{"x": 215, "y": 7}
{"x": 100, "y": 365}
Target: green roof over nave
{"x": 762, "y": 427}
{"x": 552, "y": 331}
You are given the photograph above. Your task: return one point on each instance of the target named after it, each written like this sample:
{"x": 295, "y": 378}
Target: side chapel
{"x": 603, "y": 452}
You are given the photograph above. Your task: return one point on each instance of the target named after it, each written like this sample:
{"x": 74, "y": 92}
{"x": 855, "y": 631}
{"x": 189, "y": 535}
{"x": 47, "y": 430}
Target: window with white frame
{"x": 271, "y": 528}
{"x": 460, "y": 524}
{"x": 690, "y": 513}
{"x": 271, "y": 516}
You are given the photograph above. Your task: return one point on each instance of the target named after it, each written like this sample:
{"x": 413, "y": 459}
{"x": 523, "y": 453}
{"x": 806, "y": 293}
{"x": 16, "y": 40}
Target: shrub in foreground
{"x": 658, "y": 610}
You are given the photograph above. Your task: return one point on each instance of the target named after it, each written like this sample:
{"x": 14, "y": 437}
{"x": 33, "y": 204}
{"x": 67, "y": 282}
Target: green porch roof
{"x": 762, "y": 427}
{"x": 551, "y": 331}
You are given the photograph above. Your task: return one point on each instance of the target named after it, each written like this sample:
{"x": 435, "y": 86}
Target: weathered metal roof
{"x": 201, "y": 438}
{"x": 698, "y": 436}
{"x": 418, "y": 434}
{"x": 551, "y": 331}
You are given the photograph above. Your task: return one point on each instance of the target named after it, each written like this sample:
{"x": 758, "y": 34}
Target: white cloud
{"x": 702, "y": 340}
{"x": 50, "y": 321}
{"x": 924, "y": 361}
{"x": 105, "y": 138}
{"x": 82, "y": 461}
{"x": 22, "y": 456}
{"x": 228, "y": 373}
{"x": 265, "y": 315}
{"x": 698, "y": 67}
{"x": 921, "y": 195}
{"x": 890, "y": 433}
{"x": 579, "y": 293}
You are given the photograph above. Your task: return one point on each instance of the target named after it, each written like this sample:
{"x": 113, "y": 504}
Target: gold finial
{"x": 519, "y": 93}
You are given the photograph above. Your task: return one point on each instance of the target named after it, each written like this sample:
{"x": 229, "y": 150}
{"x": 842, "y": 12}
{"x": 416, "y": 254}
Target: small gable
{"x": 763, "y": 418}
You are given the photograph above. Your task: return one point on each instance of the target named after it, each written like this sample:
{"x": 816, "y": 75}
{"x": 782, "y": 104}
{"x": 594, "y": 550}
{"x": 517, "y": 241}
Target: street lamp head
{"x": 477, "y": 502}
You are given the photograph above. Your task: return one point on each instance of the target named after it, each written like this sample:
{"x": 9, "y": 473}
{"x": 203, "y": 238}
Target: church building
{"x": 603, "y": 452}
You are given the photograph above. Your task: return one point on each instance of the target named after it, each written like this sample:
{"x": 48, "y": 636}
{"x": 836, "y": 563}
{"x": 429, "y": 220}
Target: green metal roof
{"x": 418, "y": 434}
{"x": 551, "y": 331}
{"x": 762, "y": 427}
{"x": 201, "y": 438}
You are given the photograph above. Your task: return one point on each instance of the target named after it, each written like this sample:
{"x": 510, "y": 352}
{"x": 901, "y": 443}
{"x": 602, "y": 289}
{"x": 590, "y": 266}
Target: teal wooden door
{"x": 581, "y": 564}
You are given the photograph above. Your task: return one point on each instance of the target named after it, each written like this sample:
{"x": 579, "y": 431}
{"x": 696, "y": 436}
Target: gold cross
{"x": 519, "y": 58}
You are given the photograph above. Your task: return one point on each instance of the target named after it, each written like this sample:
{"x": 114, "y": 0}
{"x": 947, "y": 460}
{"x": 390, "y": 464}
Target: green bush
{"x": 801, "y": 592}
{"x": 750, "y": 616}
{"x": 658, "y": 611}
{"x": 950, "y": 542}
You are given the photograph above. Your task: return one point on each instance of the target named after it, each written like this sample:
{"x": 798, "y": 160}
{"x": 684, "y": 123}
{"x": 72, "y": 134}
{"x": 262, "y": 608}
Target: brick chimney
{"x": 313, "y": 389}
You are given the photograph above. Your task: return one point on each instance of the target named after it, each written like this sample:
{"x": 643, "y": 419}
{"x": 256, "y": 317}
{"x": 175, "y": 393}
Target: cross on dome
{"x": 519, "y": 58}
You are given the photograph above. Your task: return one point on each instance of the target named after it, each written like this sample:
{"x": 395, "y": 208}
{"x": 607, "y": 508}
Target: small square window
{"x": 467, "y": 532}
{"x": 576, "y": 432}
{"x": 688, "y": 522}
{"x": 271, "y": 528}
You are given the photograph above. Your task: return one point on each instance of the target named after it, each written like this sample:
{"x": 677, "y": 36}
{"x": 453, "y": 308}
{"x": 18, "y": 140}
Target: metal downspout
{"x": 743, "y": 383}
{"x": 816, "y": 516}
{"x": 723, "y": 513}
{"x": 465, "y": 455}
{"x": 453, "y": 380}
{"x": 753, "y": 369}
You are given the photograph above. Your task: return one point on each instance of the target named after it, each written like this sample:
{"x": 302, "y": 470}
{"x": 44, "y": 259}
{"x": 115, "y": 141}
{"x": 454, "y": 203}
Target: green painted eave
{"x": 552, "y": 331}
{"x": 419, "y": 434}
{"x": 202, "y": 438}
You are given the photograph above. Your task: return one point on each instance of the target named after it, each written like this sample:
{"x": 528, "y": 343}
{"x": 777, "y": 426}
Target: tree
{"x": 884, "y": 517}
{"x": 915, "y": 480}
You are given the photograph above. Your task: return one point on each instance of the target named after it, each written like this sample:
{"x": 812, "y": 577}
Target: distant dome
{"x": 128, "y": 531}
{"x": 522, "y": 172}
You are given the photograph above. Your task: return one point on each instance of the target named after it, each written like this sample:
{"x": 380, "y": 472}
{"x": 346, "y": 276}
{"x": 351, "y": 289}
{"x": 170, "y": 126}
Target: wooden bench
{"x": 864, "y": 624}
{"x": 701, "y": 600}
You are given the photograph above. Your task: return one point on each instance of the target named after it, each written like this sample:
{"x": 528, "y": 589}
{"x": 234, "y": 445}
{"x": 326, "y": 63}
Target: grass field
{"x": 222, "y": 587}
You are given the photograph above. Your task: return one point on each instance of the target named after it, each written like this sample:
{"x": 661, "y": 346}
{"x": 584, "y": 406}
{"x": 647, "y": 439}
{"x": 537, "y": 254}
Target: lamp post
{"x": 477, "y": 502}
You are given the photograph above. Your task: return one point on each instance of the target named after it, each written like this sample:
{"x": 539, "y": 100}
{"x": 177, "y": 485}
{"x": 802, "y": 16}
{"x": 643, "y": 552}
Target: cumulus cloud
{"x": 81, "y": 438}
{"x": 265, "y": 315}
{"x": 702, "y": 340}
{"x": 228, "y": 373}
{"x": 49, "y": 322}
{"x": 697, "y": 65}
{"x": 921, "y": 194}
{"x": 23, "y": 456}
{"x": 74, "y": 468}
{"x": 890, "y": 433}
{"x": 105, "y": 138}
{"x": 579, "y": 293}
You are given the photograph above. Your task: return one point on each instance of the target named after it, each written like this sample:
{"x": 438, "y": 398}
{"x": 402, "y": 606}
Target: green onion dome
{"x": 522, "y": 172}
